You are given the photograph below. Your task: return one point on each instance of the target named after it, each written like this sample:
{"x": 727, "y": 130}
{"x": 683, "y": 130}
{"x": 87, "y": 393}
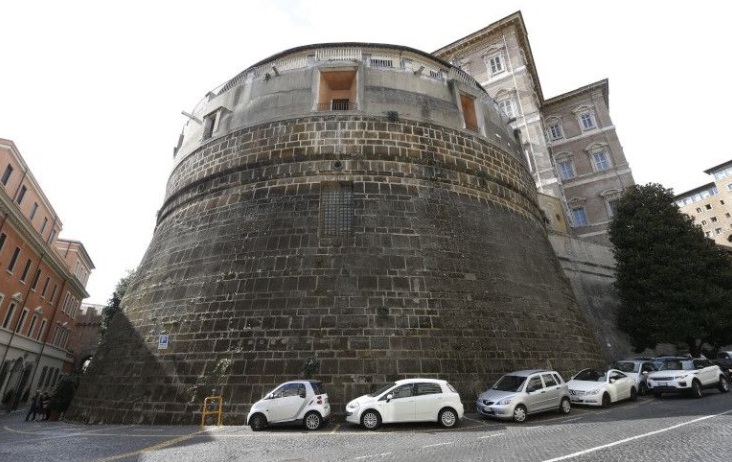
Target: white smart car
{"x": 593, "y": 388}
{"x": 408, "y": 400}
{"x": 299, "y": 401}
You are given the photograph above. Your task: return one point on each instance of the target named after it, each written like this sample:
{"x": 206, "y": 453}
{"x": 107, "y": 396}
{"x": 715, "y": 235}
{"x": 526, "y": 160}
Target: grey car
{"x": 520, "y": 393}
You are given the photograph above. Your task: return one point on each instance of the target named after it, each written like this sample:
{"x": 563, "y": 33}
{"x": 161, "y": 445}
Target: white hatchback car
{"x": 520, "y": 393}
{"x": 594, "y": 388}
{"x": 299, "y": 401}
{"x": 408, "y": 400}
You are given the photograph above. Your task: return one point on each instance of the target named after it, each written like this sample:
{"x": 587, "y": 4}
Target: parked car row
{"x": 514, "y": 396}
{"x": 408, "y": 400}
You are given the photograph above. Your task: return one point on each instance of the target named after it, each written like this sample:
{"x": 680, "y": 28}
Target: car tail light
{"x": 319, "y": 399}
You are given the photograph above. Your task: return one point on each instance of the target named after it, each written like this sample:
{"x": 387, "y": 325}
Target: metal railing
{"x": 337, "y": 105}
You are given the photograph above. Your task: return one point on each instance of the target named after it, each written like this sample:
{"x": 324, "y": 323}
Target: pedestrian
{"x": 35, "y": 406}
{"x": 46, "y": 403}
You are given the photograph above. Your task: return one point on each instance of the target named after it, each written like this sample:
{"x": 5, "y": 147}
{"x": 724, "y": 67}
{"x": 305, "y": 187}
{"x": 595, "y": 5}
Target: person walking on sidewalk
{"x": 35, "y": 406}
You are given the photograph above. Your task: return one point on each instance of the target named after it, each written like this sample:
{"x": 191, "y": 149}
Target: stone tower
{"x": 358, "y": 212}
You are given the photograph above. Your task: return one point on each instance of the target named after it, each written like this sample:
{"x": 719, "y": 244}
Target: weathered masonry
{"x": 359, "y": 212}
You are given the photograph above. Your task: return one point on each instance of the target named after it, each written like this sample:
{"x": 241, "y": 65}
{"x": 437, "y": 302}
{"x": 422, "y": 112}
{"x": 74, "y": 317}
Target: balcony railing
{"x": 337, "y": 105}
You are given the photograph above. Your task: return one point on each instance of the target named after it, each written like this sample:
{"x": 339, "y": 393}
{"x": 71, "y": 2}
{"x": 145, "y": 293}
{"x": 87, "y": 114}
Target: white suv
{"x": 686, "y": 375}
{"x": 299, "y": 401}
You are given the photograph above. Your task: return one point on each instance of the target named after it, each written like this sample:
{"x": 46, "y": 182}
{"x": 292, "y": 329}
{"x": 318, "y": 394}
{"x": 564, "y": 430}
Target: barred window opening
{"x": 336, "y": 206}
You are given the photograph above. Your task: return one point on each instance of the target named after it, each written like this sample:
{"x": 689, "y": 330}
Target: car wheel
{"x": 696, "y": 390}
{"x": 519, "y": 413}
{"x": 370, "y": 420}
{"x": 723, "y": 384}
{"x": 257, "y": 422}
{"x": 642, "y": 389}
{"x": 313, "y": 421}
{"x": 633, "y": 394}
{"x": 565, "y": 406}
{"x": 605, "y": 400}
{"x": 448, "y": 418}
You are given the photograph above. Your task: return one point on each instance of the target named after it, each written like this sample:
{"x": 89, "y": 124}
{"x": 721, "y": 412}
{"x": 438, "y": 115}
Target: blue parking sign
{"x": 163, "y": 342}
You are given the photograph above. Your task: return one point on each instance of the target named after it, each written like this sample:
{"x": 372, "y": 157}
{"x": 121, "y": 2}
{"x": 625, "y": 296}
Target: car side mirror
{"x": 389, "y": 397}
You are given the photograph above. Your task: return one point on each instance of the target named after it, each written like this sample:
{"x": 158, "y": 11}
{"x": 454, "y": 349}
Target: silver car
{"x": 520, "y": 393}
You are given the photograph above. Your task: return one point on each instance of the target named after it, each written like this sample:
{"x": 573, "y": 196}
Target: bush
{"x": 64, "y": 393}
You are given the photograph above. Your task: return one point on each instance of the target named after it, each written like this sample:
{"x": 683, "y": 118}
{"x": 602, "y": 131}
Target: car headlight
{"x": 595, "y": 391}
{"x": 505, "y": 402}
{"x": 682, "y": 376}
{"x": 352, "y": 406}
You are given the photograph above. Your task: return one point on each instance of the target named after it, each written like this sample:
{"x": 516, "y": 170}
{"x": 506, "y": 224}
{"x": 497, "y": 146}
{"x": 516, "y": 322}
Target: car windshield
{"x": 510, "y": 383}
{"x": 590, "y": 375}
{"x": 677, "y": 365}
{"x": 381, "y": 390}
{"x": 626, "y": 366}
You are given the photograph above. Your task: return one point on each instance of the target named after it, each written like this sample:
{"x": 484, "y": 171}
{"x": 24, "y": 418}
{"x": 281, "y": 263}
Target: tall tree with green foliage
{"x": 114, "y": 304}
{"x": 675, "y": 285}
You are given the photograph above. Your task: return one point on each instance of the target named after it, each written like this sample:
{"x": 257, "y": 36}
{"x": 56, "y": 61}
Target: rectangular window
{"x": 34, "y": 209}
{"x": 53, "y": 293}
{"x": 708, "y": 233}
{"x": 21, "y": 195}
{"x": 9, "y": 315}
{"x": 25, "y": 270}
{"x": 600, "y": 160}
{"x": 612, "y": 207}
{"x": 587, "y": 120}
{"x": 53, "y": 234}
{"x": 35, "y": 279}
{"x": 45, "y": 287}
{"x": 566, "y": 169}
{"x": 336, "y": 210}
{"x": 21, "y": 321}
{"x": 209, "y": 123}
{"x": 708, "y": 206}
{"x": 555, "y": 131}
{"x": 43, "y": 226}
{"x": 699, "y": 210}
{"x": 14, "y": 259}
{"x": 336, "y": 88}
{"x": 729, "y": 186}
{"x": 579, "y": 217}
{"x": 713, "y": 219}
{"x": 495, "y": 63}
{"x": 469, "y": 116}
{"x": 34, "y": 319}
{"x": 506, "y": 107}
{"x": 717, "y": 230}
{"x": 6, "y": 175}
{"x": 3, "y": 236}
{"x": 42, "y": 330}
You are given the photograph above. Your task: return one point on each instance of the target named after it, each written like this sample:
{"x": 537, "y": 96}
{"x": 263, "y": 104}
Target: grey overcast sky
{"x": 91, "y": 92}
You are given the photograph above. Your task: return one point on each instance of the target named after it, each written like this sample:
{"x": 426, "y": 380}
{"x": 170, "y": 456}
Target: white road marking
{"x": 490, "y": 436}
{"x": 438, "y": 444}
{"x": 383, "y": 454}
{"x": 572, "y": 420}
{"x": 616, "y": 443}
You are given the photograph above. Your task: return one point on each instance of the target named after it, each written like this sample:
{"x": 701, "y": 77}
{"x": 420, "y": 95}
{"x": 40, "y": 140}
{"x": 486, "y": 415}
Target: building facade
{"x": 711, "y": 204}
{"x": 358, "y": 212}
{"x": 41, "y": 287}
{"x": 569, "y": 141}
{"x": 87, "y": 333}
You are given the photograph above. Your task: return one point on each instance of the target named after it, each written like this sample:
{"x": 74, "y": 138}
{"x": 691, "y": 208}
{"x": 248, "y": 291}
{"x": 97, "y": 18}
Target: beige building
{"x": 711, "y": 204}
{"x": 569, "y": 140}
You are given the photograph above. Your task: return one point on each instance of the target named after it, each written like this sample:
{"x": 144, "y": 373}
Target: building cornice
{"x": 20, "y": 224}
{"x": 601, "y": 85}
{"x": 480, "y": 39}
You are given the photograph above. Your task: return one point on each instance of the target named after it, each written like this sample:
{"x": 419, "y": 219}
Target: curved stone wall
{"x": 346, "y": 246}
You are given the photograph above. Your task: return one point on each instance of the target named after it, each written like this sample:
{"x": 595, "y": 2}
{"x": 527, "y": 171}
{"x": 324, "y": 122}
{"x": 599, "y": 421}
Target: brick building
{"x": 711, "y": 204}
{"x": 42, "y": 283}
